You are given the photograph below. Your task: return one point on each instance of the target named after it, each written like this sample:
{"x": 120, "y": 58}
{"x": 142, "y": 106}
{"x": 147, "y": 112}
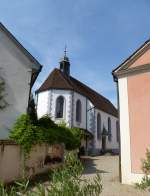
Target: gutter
{"x": 32, "y": 81}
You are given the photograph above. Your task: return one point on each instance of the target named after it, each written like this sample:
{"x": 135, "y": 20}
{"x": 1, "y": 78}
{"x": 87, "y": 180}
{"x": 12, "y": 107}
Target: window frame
{"x": 109, "y": 129}
{"x": 99, "y": 124}
{"x": 63, "y": 107}
{"x": 78, "y": 111}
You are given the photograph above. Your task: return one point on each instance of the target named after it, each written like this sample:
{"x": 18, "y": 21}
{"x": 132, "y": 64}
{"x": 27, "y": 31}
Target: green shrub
{"x": 145, "y": 182}
{"x": 32, "y": 110}
{"x": 146, "y": 163}
{"x": 65, "y": 181}
{"x": 26, "y": 133}
{"x": 46, "y": 122}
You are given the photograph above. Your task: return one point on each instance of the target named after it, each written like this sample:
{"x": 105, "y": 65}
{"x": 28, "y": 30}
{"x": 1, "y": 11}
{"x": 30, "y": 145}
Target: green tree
{"x": 32, "y": 110}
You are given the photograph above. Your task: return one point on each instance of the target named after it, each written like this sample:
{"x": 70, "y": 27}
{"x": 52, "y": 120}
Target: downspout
{"x": 30, "y": 84}
{"x": 118, "y": 105}
{"x": 86, "y": 113}
{"x": 72, "y": 108}
{"x": 86, "y": 139}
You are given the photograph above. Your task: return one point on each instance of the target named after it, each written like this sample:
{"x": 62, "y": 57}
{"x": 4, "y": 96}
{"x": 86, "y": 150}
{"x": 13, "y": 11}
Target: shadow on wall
{"x": 90, "y": 166}
{"x": 9, "y": 114}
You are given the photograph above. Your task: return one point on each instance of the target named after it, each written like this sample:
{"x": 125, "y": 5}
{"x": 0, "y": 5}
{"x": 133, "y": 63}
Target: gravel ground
{"x": 108, "y": 167}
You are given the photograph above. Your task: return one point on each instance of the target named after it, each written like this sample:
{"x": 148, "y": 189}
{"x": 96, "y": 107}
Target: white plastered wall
{"x": 47, "y": 104}
{"x": 127, "y": 176}
{"x": 80, "y": 97}
{"x": 67, "y": 105}
{"x": 15, "y": 69}
{"x": 42, "y": 105}
{"x": 113, "y": 144}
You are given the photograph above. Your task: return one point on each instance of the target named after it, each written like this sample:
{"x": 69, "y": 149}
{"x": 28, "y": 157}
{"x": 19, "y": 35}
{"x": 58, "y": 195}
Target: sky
{"x": 99, "y": 34}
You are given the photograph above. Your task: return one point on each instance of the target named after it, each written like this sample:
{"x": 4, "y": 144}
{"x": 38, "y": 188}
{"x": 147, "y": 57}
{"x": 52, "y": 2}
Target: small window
{"x": 98, "y": 126}
{"x": 109, "y": 129}
{"x": 78, "y": 111}
{"x": 117, "y": 131}
{"x": 60, "y": 107}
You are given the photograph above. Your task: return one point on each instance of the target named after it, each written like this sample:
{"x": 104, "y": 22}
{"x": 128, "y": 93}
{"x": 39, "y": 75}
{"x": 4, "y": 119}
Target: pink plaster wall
{"x": 139, "y": 117}
{"x": 143, "y": 59}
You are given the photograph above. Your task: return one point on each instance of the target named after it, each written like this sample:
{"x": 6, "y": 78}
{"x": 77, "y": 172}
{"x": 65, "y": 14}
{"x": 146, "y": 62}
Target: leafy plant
{"x": 32, "y": 110}
{"x": 145, "y": 182}
{"x": 65, "y": 181}
{"x": 26, "y": 133}
{"x": 146, "y": 163}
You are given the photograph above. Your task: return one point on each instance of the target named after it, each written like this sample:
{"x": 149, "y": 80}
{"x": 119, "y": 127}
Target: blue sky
{"x": 99, "y": 35}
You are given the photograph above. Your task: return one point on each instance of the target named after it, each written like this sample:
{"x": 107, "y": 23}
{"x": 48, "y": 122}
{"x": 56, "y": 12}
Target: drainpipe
{"x": 30, "y": 84}
{"x": 118, "y": 105}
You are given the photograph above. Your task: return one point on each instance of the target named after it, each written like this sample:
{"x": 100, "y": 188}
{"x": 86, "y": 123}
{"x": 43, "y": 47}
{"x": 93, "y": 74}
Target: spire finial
{"x": 65, "y": 51}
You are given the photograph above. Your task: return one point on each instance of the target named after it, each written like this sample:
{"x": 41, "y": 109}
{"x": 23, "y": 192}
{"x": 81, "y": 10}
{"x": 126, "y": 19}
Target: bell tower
{"x": 65, "y": 64}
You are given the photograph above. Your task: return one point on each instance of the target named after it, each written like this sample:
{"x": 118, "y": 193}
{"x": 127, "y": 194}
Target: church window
{"x": 109, "y": 129}
{"x": 98, "y": 126}
{"x": 60, "y": 107}
{"x": 78, "y": 111}
{"x": 117, "y": 131}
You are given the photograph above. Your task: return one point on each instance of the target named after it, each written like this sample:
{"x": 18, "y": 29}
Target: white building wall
{"x": 113, "y": 144}
{"x": 67, "y": 105}
{"x": 90, "y": 116}
{"x": 82, "y": 98}
{"x": 47, "y": 105}
{"x": 15, "y": 70}
{"x": 42, "y": 106}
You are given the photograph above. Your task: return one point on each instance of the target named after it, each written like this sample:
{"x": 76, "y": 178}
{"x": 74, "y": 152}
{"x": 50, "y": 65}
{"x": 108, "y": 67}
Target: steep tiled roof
{"x": 57, "y": 80}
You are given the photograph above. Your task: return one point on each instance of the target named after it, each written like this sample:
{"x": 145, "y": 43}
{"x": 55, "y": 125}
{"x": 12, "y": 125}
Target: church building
{"x": 66, "y": 99}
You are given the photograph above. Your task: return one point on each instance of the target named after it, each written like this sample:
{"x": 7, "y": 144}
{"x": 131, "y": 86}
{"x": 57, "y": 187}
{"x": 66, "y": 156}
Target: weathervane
{"x": 65, "y": 51}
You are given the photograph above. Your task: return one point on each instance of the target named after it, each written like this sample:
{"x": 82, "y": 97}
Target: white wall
{"x": 113, "y": 144}
{"x": 16, "y": 71}
{"x": 67, "y": 105}
{"x": 80, "y": 97}
{"x": 42, "y": 106}
{"x": 47, "y": 105}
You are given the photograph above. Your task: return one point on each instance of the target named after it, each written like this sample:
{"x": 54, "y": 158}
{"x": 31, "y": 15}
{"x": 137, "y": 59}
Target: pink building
{"x": 133, "y": 85}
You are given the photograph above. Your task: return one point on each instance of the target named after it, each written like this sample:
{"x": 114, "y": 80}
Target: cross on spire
{"x": 65, "y": 51}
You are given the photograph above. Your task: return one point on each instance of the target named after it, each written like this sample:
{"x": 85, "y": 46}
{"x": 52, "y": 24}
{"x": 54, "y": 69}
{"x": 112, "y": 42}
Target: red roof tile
{"x": 57, "y": 80}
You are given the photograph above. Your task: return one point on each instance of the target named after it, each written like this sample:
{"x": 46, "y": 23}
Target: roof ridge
{"x": 92, "y": 90}
{"x": 19, "y": 45}
{"x": 131, "y": 56}
{"x": 64, "y": 77}
{"x": 58, "y": 80}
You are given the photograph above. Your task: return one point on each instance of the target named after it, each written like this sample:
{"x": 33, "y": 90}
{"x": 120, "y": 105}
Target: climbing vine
{"x": 28, "y": 133}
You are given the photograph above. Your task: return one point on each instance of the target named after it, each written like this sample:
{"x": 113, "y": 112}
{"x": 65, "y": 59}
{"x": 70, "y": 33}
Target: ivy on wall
{"x": 28, "y": 133}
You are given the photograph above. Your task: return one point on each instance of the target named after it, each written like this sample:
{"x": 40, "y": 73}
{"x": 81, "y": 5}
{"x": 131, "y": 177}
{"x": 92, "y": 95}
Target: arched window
{"x": 60, "y": 107}
{"x": 109, "y": 129}
{"x": 117, "y": 131}
{"x": 98, "y": 126}
{"x": 78, "y": 111}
